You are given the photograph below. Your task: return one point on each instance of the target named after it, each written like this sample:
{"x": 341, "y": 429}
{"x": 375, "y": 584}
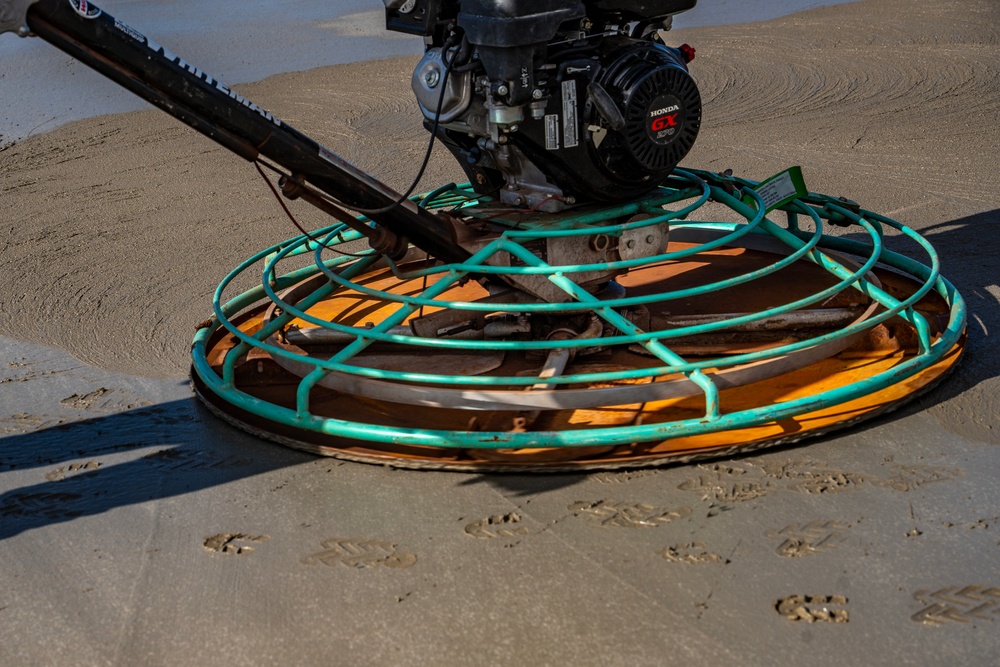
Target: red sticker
{"x": 663, "y": 122}
{"x": 85, "y": 9}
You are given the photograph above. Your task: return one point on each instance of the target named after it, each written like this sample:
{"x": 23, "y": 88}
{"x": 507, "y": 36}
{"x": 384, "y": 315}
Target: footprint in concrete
{"x": 60, "y": 473}
{"x": 178, "y": 460}
{"x": 621, "y": 477}
{"x": 46, "y": 505}
{"x": 497, "y": 526}
{"x": 238, "y": 544}
{"x": 728, "y": 484}
{"x": 813, "y": 608}
{"x": 23, "y": 371}
{"x": 805, "y": 539}
{"x": 909, "y": 477}
{"x": 627, "y": 515}
{"x": 92, "y": 400}
{"x": 813, "y": 476}
{"x": 27, "y": 423}
{"x": 103, "y": 400}
{"x": 692, "y": 553}
{"x": 959, "y": 604}
{"x": 361, "y": 553}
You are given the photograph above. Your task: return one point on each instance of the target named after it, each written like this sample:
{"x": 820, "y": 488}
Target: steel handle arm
{"x": 151, "y": 71}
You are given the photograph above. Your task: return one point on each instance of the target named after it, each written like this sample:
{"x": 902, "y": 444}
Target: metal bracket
{"x": 14, "y": 16}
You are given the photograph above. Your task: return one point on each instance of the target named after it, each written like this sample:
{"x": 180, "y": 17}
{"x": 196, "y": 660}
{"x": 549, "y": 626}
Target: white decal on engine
{"x": 571, "y": 133}
{"x": 552, "y": 132}
{"x": 660, "y": 112}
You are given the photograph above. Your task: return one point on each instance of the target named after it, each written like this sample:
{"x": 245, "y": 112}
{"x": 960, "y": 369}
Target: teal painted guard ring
{"x": 686, "y": 195}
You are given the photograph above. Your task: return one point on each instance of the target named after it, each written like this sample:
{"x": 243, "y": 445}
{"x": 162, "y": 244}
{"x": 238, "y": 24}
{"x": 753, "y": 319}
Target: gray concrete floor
{"x": 238, "y": 42}
{"x": 135, "y": 526}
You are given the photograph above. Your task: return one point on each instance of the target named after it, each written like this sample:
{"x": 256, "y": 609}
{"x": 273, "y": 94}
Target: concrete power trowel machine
{"x": 580, "y": 303}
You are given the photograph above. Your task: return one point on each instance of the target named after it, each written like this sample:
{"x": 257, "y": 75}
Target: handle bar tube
{"x": 149, "y": 70}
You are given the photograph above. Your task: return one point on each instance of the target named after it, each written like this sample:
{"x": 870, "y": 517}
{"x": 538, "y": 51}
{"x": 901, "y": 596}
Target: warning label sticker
{"x": 552, "y": 132}
{"x": 571, "y": 133}
{"x": 781, "y": 189}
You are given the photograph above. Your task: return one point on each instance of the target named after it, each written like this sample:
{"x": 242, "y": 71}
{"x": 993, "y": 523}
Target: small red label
{"x": 663, "y": 122}
{"x": 85, "y": 9}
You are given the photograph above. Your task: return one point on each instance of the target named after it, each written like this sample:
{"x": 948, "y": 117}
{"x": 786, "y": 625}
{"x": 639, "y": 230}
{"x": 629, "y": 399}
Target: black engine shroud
{"x": 551, "y": 103}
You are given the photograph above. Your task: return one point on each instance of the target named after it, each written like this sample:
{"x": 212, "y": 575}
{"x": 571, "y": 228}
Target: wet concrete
{"x": 236, "y": 43}
{"x": 133, "y": 524}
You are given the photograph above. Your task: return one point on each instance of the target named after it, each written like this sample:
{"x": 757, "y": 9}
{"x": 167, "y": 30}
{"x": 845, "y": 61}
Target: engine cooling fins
{"x": 747, "y": 331}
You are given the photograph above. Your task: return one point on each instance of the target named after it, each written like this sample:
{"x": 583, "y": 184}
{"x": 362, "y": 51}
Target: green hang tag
{"x": 780, "y": 189}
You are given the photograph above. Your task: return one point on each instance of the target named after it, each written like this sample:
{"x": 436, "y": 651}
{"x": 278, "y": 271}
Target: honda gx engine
{"x": 553, "y": 102}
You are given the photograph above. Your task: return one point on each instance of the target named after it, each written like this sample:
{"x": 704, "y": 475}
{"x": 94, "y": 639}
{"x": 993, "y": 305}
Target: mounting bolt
{"x": 431, "y": 78}
{"x": 600, "y": 242}
{"x": 289, "y": 187}
{"x": 537, "y": 94}
{"x": 502, "y": 90}
{"x": 850, "y": 204}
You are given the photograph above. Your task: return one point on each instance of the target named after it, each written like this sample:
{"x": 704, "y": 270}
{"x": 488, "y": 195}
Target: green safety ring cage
{"x": 749, "y": 329}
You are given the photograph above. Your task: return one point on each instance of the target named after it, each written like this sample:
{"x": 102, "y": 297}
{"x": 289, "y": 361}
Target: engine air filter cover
{"x": 662, "y": 111}
{"x": 665, "y": 119}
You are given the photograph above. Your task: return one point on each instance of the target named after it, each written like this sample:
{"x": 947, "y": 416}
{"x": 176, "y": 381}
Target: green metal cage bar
{"x": 700, "y": 186}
